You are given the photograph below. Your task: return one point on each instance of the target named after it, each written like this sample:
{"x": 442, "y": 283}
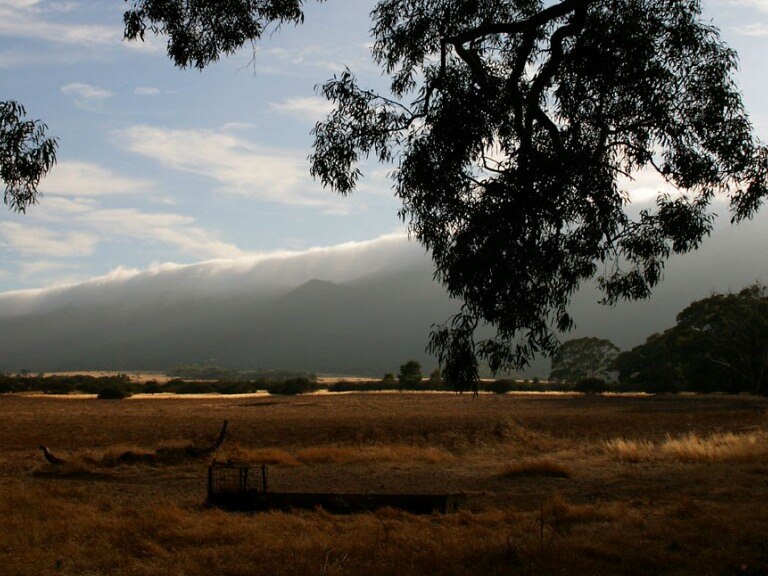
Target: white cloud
{"x": 86, "y": 91}
{"x": 312, "y": 109}
{"x": 239, "y": 165}
{"x": 146, "y": 91}
{"x": 171, "y": 229}
{"x": 150, "y": 45}
{"x": 72, "y": 194}
{"x": 761, "y": 5}
{"x": 84, "y": 217}
{"x": 86, "y": 96}
{"x": 55, "y": 207}
{"x": 329, "y": 57}
{"x": 645, "y": 186}
{"x": 42, "y": 241}
{"x": 37, "y": 267}
{"x": 74, "y": 178}
{"x": 27, "y": 19}
{"x": 756, "y": 29}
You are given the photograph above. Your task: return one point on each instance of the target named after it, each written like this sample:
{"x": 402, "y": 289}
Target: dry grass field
{"x": 557, "y": 484}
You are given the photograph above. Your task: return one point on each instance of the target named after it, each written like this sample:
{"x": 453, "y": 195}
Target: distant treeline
{"x": 500, "y": 386}
{"x": 121, "y": 386}
{"x": 69, "y": 384}
{"x": 287, "y": 386}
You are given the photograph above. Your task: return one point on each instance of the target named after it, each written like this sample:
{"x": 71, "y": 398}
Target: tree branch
{"x": 527, "y": 25}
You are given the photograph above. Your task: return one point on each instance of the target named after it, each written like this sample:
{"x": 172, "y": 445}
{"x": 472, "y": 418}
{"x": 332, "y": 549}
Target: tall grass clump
{"x": 692, "y": 448}
{"x": 715, "y": 448}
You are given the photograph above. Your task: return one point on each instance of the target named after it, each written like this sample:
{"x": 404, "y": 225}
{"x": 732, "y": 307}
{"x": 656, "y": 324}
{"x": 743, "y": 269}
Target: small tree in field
{"x": 436, "y": 379}
{"x": 583, "y": 358}
{"x": 410, "y": 375}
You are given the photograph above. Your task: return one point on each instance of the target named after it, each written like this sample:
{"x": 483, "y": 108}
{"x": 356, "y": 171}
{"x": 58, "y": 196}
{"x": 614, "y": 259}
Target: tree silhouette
{"x": 583, "y": 358}
{"x": 509, "y": 124}
{"x": 26, "y": 155}
{"x": 719, "y": 343}
{"x": 410, "y": 375}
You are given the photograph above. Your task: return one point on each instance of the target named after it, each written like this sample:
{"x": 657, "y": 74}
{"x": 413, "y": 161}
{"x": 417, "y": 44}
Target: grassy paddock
{"x": 557, "y": 485}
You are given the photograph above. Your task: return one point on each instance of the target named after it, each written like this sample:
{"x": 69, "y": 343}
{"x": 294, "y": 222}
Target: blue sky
{"x": 158, "y": 164}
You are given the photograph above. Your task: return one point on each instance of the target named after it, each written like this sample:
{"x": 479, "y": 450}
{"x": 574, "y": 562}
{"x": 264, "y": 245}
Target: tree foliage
{"x": 583, "y": 358}
{"x": 509, "y": 124}
{"x": 199, "y": 32}
{"x": 719, "y": 343}
{"x": 410, "y": 375}
{"x": 26, "y": 155}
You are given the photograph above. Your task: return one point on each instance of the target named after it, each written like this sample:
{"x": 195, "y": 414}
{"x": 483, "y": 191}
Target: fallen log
{"x": 51, "y": 458}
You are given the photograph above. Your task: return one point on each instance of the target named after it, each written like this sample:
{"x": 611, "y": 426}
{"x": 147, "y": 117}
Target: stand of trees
{"x": 719, "y": 343}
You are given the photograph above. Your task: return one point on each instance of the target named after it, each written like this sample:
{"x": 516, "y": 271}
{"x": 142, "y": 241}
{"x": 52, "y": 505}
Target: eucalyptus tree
{"x": 579, "y": 358}
{"x": 26, "y": 155}
{"x": 720, "y": 343}
{"x": 509, "y": 125}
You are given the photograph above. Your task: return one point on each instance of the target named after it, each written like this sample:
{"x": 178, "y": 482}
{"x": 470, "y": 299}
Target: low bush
{"x": 591, "y": 386}
{"x": 499, "y": 386}
{"x": 113, "y": 394}
{"x": 292, "y": 387}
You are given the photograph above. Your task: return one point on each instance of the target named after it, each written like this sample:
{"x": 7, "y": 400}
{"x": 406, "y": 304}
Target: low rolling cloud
{"x": 725, "y": 262}
{"x": 265, "y": 273}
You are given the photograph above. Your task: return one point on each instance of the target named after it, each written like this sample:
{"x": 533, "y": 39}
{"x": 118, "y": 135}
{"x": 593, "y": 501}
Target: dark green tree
{"x": 722, "y": 341}
{"x": 436, "y": 379}
{"x": 719, "y": 343}
{"x": 409, "y": 376}
{"x": 583, "y": 358}
{"x": 509, "y": 124}
{"x": 26, "y": 155}
{"x": 650, "y": 367}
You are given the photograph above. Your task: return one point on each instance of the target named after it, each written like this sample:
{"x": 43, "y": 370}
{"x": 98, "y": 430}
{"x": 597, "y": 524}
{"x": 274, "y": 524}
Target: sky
{"x": 161, "y": 166}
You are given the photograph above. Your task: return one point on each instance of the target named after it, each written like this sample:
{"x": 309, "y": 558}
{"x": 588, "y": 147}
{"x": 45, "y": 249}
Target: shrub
{"x": 591, "y": 386}
{"x": 499, "y": 386}
{"x": 151, "y": 387}
{"x": 292, "y": 387}
{"x": 410, "y": 376}
{"x": 113, "y": 394}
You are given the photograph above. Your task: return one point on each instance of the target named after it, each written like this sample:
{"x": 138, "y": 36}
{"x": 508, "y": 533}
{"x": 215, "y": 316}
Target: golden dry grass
{"x": 118, "y": 514}
{"x": 387, "y": 453}
{"x": 537, "y": 467}
{"x": 238, "y": 454}
{"x": 692, "y": 448}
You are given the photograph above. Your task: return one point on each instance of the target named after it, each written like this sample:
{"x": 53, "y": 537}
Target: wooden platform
{"x": 244, "y": 488}
{"x": 338, "y": 503}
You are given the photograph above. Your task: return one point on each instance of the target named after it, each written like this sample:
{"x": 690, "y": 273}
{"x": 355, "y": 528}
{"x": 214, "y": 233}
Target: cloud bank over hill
{"x": 354, "y": 308}
{"x": 258, "y": 275}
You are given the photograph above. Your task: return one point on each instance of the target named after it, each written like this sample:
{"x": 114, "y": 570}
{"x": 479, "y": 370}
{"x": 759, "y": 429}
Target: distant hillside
{"x": 359, "y": 308}
{"x": 368, "y": 326}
